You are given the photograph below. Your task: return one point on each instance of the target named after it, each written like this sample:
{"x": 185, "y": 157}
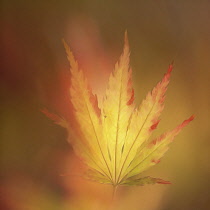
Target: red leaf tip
{"x": 160, "y": 181}
{"x": 187, "y": 121}
{"x": 51, "y": 116}
{"x": 170, "y": 68}
{"x": 191, "y": 118}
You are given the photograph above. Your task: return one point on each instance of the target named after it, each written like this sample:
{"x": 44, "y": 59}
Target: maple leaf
{"x": 114, "y": 139}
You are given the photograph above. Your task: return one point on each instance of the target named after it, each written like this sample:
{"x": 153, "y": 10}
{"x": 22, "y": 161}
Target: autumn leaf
{"x": 113, "y": 140}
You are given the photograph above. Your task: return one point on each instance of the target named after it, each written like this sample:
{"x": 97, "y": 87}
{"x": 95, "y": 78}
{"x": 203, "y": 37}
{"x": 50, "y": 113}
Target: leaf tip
{"x": 126, "y": 36}
{"x": 186, "y": 122}
{"x": 191, "y": 118}
{"x": 126, "y": 42}
{"x": 55, "y": 118}
{"x": 64, "y": 44}
{"x": 161, "y": 181}
{"x": 170, "y": 68}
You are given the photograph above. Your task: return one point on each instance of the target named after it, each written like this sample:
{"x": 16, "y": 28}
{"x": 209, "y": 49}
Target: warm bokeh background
{"x": 34, "y": 74}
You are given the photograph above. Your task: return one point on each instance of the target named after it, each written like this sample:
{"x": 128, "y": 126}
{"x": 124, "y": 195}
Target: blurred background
{"x": 38, "y": 168}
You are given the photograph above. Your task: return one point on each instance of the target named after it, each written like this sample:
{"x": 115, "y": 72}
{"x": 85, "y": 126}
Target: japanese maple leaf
{"x": 113, "y": 140}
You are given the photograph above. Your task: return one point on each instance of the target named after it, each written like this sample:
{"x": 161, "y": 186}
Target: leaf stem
{"x": 114, "y": 193}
